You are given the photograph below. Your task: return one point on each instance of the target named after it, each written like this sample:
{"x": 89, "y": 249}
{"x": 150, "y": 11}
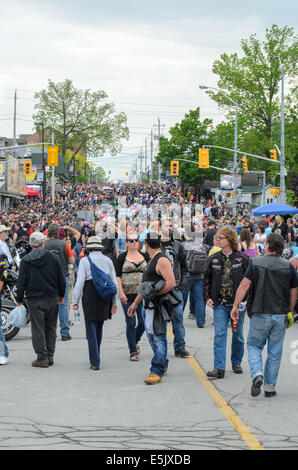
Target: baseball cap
{"x": 3, "y": 228}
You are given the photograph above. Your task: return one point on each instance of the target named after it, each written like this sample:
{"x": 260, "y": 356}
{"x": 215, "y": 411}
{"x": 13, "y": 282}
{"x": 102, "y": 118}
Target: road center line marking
{"x": 241, "y": 428}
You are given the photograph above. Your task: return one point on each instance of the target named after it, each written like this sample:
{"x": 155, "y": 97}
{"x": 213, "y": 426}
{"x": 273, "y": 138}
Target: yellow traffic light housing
{"x": 273, "y": 154}
{"x": 174, "y": 168}
{"x": 53, "y": 155}
{"x": 27, "y": 167}
{"x": 244, "y": 161}
{"x": 203, "y": 158}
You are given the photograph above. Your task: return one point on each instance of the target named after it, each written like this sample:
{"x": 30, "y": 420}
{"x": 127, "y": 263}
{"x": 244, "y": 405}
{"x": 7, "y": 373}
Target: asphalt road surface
{"x": 68, "y": 406}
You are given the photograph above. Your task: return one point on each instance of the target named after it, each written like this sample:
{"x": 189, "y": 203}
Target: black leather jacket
{"x": 212, "y": 280}
{"x": 164, "y": 305}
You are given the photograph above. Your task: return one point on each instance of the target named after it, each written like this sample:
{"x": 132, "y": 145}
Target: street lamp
{"x": 282, "y": 135}
{"x": 41, "y": 124}
{"x": 235, "y": 103}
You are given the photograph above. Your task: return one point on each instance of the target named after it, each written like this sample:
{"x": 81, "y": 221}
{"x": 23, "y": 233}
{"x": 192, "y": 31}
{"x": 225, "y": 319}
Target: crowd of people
{"x": 162, "y": 249}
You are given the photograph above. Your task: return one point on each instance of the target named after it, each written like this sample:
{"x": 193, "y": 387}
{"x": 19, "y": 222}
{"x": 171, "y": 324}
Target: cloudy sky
{"x": 149, "y": 57}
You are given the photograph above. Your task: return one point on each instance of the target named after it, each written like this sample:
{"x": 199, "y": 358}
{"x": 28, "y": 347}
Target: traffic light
{"x": 203, "y": 158}
{"x": 53, "y": 155}
{"x": 174, "y": 168}
{"x": 273, "y": 154}
{"x": 244, "y": 161}
{"x": 27, "y": 167}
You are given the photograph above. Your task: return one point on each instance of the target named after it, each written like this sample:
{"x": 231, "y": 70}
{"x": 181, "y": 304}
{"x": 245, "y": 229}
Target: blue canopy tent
{"x": 275, "y": 208}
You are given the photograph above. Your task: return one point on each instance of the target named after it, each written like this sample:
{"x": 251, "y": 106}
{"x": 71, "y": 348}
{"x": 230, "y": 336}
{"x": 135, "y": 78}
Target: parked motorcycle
{"x": 8, "y": 295}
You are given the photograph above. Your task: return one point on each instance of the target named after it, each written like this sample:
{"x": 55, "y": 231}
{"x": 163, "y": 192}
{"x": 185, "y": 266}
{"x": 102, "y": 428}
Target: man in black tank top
{"x": 159, "y": 268}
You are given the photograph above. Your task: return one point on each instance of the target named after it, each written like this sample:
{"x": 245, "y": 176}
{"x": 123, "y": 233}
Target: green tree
{"x": 99, "y": 175}
{"x": 254, "y": 80}
{"x": 186, "y": 138}
{"x": 80, "y": 119}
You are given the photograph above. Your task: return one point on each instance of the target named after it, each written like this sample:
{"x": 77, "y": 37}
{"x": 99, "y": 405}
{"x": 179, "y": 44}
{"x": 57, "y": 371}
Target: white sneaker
{"x": 3, "y": 360}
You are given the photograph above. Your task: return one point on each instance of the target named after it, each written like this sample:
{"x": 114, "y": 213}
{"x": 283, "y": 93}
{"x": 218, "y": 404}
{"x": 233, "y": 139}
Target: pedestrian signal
{"x": 273, "y": 154}
{"x": 203, "y": 158}
{"x": 174, "y": 168}
{"x": 27, "y": 167}
{"x": 244, "y": 161}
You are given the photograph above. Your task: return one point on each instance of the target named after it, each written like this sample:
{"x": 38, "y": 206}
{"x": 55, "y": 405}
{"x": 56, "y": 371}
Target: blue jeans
{"x": 221, "y": 321}
{"x": 195, "y": 289}
{"x": 266, "y": 328}
{"x": 133, "y": 332}
{"x": 3, "y": 347}
{"x": 63, "y": 312}
{"x": 94, "y": 337}
{"x": 177, "y": 322}
{"x": 159, "y": 347}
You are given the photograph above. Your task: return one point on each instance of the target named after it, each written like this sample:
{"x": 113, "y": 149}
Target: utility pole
{"x": 146, "y": 168}
{"x": 15, "y": 122}
{"x": 151, "y": 157}
{"x": 74, "y": 171}
{"x": 53, "y": 173}
{"x": 235, "y": 170}
{"x": 43, "y": 169}
{"x": 158, "y": 134}
{"x": 282, "y": 139}
{"x": 141, "y": 164}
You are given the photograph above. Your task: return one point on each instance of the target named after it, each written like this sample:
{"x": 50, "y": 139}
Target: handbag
{"x": 104, "y": 285}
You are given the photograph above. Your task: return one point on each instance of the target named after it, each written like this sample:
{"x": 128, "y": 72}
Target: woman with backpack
{"x": 96, "y": 309}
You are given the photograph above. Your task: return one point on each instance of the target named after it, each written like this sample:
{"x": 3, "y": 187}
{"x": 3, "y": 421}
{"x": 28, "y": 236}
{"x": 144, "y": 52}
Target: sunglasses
{"x": 131, "y": 240}
{"x": 220, "y": 238}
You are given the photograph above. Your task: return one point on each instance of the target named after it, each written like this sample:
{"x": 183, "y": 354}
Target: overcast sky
{"x": 149, "y": 57}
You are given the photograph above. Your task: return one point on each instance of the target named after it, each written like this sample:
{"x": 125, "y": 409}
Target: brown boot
{"x": 38, "y": 363}
{"x": 152, "y": 379}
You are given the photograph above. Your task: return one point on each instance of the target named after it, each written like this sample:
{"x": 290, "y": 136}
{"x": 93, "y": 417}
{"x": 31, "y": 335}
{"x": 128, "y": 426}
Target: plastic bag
{"x": 289, "y": 320}
{"x": 17, "y": 317}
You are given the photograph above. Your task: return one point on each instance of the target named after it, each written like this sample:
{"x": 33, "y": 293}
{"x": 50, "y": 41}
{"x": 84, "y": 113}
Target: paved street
{"x": 68, "y": 406}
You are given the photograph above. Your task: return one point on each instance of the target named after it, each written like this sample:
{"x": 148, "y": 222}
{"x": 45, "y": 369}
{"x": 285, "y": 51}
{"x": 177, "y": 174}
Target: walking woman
{"x": 130, "y": 267}
{"x": 248, "y": 245}
{"x": 96, "y": 310}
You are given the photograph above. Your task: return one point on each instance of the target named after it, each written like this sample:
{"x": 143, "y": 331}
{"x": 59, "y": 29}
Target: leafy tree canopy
{"x": 80, "y": 119}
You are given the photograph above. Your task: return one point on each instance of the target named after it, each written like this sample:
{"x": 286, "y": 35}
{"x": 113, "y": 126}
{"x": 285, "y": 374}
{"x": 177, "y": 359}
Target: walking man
{"x": 158, "y": 269}
{"x": 273, "y": 283}
{"x": 41, "y": 280}
{"x": 176, "y": 254}
{"x": 66, "y": 256}
{"x": 224, "y": 273}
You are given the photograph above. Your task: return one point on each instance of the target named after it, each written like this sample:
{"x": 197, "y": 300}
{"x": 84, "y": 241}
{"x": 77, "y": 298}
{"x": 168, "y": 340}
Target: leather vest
{"x": 270, "y": 287}
{"x": 54, "y": 245}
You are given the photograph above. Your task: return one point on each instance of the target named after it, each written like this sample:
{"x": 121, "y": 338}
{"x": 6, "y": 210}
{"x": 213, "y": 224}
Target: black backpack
{"x": 196, "y": 257}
